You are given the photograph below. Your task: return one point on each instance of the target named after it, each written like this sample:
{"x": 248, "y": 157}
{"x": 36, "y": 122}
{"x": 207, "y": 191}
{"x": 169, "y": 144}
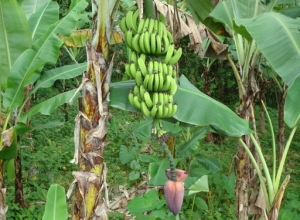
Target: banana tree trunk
{"x": 281, "y": 136}
{"x": 246, "y": 178}
{"x": 93, "y": 117}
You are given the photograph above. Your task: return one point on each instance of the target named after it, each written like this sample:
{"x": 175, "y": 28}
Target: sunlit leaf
{"x": 56, "y": 204}
{"x": 200, "y": 186}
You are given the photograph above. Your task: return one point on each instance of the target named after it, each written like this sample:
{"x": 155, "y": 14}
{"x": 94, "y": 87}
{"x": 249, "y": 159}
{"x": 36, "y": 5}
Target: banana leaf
{"x": 64, "y": 72}
{"x": 194, "y": 107}
{"x": 291, "y": 105}
{"x": 27, "y": 68}
{"x": 14, "y": 37}
{"x": 48, "y": 106}
{"x": 56, "y": 204}
{"x": 281, "y": 44}
{"x": 31, "y": 6}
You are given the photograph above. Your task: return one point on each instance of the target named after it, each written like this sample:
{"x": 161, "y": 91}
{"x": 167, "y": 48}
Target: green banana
{"x": 130, "y": 97}
{"x": 174, "y": 73}
{"x": 135, "y": 18}
{"x": 127, "y": 70}
{"x": 135, "y": 43}
{"x": 122, "y": 25}
{"x": 147, "y": 42}
{"x": 177, "y": 54}
{"x": 173, "y": 87}
{"x": 151, "y": 25}
{"x": 133, "y": 57}
{"x": 136, "y": 102}
{"x": 150, "y": 67}
{"x": 170, "y": 37}
{"x": 146, "y": 80}
{"x": 128, "y": 38}
{"x": 149, "y": 86}
{"x": 153, "y": 110}
{"x": 141, "y": 26}
{"x": 141, "y": 42}
{"x": 158, "y": 45}
{"x": 167, "y": 83}
{"x": 155, "y": 97}
{"x": 165, "y": 68}
{"x": 145, "y": 109}
{"x": 161, "y": 29}
{"x": 160, "y": 75}
{"x": 159, "y": 113}
{"x": 147, "y": 99}
{"x": 165, "y": 44}
{"x": 174, "y": 109}
{"x": 128, "y": 18}
{"x": 169, "y": 53}
{"x": 165, "y": 110}
{"x": 136, "y": 91}
{"x": 133, "y": 70}
{"x": 138, "y": 78}
{"x": 142, "y": 90}
{"x": 142, "y": 65}
{"x": 153, "y": 42}
{"x": 146, "y": 25}
{"x": 156, "y": 81}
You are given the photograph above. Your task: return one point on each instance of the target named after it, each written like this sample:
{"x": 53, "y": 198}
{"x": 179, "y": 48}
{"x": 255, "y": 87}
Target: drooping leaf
{"x": 190, "y": 146}
{"x": 49, "y": 105}
{"x": 56, "y": 205}
{"x": 64, "y": 72}
{"x": 200, "y": 109}
{"x": 291, "y": 106}
{"x": 14, "y": 37}
{"x": 281, "y": 48}
{"x": 200, "y": 186}
{"x": 143, "y": 203}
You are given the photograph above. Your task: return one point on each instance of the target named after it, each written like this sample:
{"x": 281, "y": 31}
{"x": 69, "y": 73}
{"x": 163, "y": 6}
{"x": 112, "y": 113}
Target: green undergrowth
{"x": 46, "y": 159}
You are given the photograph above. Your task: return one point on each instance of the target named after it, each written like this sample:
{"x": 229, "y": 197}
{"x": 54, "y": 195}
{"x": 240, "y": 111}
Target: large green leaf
{"x": 292, "y": 107}
{"x": 64, "y": 72}
{"x": 48, "y": 106}
{"x": 45, "y": 50}
{"x": 194, "y": 107}
{"x": 40, "y": 20}
{"x": 14, "y": 36}
{"x": 56, "y": 204}
{"x": 31, "y": 6}
{"x": 281, "y": 44}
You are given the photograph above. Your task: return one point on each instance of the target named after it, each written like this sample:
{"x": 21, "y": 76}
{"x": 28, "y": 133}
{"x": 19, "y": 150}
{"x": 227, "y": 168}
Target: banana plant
{"x": 246, "y": 23}
{"x": 29, "y": 36}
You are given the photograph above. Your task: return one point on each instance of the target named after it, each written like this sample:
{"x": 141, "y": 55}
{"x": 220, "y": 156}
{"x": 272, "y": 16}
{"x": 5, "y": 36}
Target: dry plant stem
{"x": 273, "y": 143}
{"x": 255, "y": 165}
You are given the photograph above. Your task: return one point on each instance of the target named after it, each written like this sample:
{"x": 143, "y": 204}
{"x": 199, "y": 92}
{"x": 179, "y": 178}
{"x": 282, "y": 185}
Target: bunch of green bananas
{"x": 151, "y": 63}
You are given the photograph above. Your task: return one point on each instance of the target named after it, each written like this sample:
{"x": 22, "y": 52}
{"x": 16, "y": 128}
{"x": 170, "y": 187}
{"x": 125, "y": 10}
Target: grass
{"x": 47, "y": 154}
